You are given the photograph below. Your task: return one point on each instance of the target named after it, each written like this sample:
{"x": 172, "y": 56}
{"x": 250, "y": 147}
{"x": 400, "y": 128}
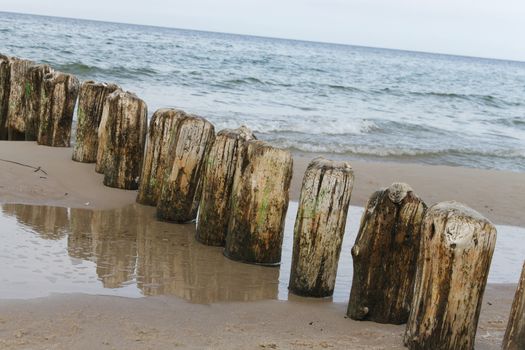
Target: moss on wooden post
{"x": 453, "y": 266}
{"x": 5, "y": 73}
{"x": 181, "y": 189}
{"x": 320, "y": 227}
{"x": 125, "y": 128}
{"x": 89, "y": 113}
{"x": 385, "y": 256}
{"x": 515, "y": 334}
{"x": 163, "y": 126}
{"x": 259, "y": 204}
{"x": 36, "y": 74}
{"x": 214, "y": 208}
{"x": 59, "y": 96}
{"x": 19, "y": 92}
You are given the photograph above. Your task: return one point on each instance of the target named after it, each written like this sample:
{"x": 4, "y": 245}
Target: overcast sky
{"x": 486, "y": 28}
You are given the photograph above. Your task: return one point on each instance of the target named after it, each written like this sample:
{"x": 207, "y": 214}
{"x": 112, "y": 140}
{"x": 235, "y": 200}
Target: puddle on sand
{"x": 127, "y": 252}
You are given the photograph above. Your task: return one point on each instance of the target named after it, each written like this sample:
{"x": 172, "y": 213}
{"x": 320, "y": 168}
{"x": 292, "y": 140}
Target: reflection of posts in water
{"x": 48, "y": 222}
{"x": 114, "y": 234}
{"x": 79, "y": 239}
{"x": 170, "y": 261}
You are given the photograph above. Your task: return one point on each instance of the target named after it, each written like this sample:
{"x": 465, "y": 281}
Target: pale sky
{"x": 485, "y": 28}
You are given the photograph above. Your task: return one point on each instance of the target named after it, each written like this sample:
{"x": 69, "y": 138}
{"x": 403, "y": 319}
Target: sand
{"x": 101, "y": 322}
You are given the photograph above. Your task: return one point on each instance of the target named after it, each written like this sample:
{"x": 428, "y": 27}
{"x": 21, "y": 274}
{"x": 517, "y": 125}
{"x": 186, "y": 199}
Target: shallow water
{"x": 127, "y": 252}
{"x": 311, "y": 97}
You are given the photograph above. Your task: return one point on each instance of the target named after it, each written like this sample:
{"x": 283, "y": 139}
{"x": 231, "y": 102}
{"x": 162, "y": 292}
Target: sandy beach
{"x": 162, "y": 322}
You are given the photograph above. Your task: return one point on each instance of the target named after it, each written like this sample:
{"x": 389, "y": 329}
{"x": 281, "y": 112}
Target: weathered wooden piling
{"x": 19, "y": 92}
{"x": 515, "y": 334}
{"x": 181, "y": 188}
{"x": 163, "y": 126}
{"x": 89, "y": 113}
{"x": 5, "y": 73}
{"x": 385, "y": 256}
{"x": 453, "y": 266}
{"x": 122, "y": 147}
{"x": 214, "y": 208}
{"x": 35, "y": 81}
{"x": 258, "y": 204}
{"x": 59, "y": 96}
{"x": 320, "y": 227}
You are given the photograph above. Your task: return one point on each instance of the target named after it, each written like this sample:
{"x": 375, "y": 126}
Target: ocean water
{"x": 346, "y": 101}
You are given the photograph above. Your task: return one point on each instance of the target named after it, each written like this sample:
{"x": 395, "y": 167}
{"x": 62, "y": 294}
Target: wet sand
{"x": 78, "y": 321}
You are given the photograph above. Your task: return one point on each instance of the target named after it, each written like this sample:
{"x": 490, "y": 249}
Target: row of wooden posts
{"x": 426, "y": 267}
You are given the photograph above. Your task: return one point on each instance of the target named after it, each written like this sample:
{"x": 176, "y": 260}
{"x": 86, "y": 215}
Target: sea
{"x": 342, "y": 101}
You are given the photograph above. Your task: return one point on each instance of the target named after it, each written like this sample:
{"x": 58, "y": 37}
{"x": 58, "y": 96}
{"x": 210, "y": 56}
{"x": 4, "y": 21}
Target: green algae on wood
{"x": 59, "y": 96}
{"x": 5, "y": 73}
{"x": 163, "y": 126}
{"x": 214, "y": 208}
{"x": 182, "y": 182}
{"x": 385, "y": 256}
{"x": 320, "y": 227}
{"x": 124, "y": 130}
{"x": 259, "y": 203}
{"x": 34, "y": 91}
{"x": 453, "y": 265}
{"x": 89, "y": 113}
{"x": 515, "y": 334}
{"x": 18, "y": 99}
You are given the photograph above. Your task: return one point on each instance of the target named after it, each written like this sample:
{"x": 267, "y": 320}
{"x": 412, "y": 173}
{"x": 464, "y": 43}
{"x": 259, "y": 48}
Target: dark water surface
{"x": 127, "y": 252}
{"x": 342, "y": 100}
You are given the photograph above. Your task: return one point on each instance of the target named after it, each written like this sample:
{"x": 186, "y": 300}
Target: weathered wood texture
{"x": 19, "y": 91}
{"x": 214, "y": 208}
{"x": 35, "y": 86}
{"x": 124, "y": 130}
{"x": 181, "y": 189}
{"x": 89, "y": 113}
{"x": 385, "y": 256}
{"x": 59, "y": 96}
{"x": 258, "y": 204}
{"x": 163, "y": 126}
{"x": 5, "y": 74}
{"x": 453, "y": 265}
{"x": 515, "y": 335}
{"x": 320, "y": 227}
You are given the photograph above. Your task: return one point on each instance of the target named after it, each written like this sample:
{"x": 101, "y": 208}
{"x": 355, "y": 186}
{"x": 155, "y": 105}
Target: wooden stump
{"x": 320, "y": 227}
{"x": 163, "y": 126}
{"x": 19, "y": 92}
{"x": 124, "y": 130}
{"x": 214, "y": 208}
{"x": 385, "y": 256}
{"x": 515, "y": 335}
{"x": 181, "y": 189}
{"x": 59, "y": 97}
{"x": 35, "y": 81}
{"x": 5, "y": 73}
{"x": 258, "y": 204}
{"x": 453, "y": 266}
{"x": 89, "y": 113}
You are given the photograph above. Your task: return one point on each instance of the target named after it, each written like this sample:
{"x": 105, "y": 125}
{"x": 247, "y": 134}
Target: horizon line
{"x": 271, "y": 37}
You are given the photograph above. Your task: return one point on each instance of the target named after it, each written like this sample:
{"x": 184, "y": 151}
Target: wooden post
{"x": 320, "y": 227}
{"x": 125, "y": 130}
{"x": 163, "y": 126}
{"x": 515, "y": 335}
{"x": 90, "y": 105}
{"x": 453, "y": 266}
{"x": 35, "y": 81}
{"x": 59, "y": 97}
{"x": 5, "y": 73}
{"x": 181, "y": 189}
{"x": 214, "y": 208}
{"x": 19, "y": 91}
{"x": 385, "y": 256}
{"x": 258, "y": 205}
